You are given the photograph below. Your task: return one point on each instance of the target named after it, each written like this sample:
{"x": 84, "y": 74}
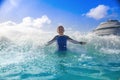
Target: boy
{"x": 62, "y": 39}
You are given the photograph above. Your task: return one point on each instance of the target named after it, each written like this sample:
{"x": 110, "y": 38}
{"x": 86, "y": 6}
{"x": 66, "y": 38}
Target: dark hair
{"x": 60, "y": 26}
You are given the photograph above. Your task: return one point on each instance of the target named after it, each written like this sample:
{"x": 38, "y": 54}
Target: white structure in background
{"x": 111, "y": 27}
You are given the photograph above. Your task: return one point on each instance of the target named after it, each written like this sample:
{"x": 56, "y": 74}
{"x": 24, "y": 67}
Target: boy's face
{"x": 60, "y": 30}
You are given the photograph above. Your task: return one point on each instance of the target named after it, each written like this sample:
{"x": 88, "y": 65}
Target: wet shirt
{"x": 62, "y": 42}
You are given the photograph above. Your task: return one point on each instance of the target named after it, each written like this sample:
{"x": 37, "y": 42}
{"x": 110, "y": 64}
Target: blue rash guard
{"x": 62, "y": 42}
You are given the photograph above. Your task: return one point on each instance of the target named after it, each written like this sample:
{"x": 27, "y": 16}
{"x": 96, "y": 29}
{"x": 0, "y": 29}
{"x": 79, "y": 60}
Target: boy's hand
{"x": 82, "y": 43}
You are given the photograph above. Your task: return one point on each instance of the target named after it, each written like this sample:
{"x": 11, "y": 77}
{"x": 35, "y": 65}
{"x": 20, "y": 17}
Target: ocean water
{"x": 25, "y": 57}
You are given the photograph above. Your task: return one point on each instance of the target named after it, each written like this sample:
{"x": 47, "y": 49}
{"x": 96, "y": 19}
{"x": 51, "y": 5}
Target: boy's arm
{"x": 75, "y": 42}
{"x": 51, "y": 41}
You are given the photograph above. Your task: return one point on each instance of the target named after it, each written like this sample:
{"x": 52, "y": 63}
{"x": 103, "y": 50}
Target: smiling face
{"x": 60, "y": 30}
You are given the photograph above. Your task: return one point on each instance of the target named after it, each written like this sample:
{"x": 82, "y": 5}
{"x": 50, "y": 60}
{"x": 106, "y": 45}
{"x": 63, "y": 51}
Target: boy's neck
{"x": 61, "y": 34}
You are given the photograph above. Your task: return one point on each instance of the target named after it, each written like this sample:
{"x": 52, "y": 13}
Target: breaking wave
{"x": 25, "y": 56}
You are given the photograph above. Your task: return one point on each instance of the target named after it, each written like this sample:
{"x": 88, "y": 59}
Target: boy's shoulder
{"x": 66, "y": 35}
{"x": 56, "y": 36}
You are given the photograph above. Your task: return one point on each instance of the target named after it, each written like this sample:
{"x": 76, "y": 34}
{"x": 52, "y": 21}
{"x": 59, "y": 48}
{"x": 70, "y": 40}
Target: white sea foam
{"x": 17, "y": 42}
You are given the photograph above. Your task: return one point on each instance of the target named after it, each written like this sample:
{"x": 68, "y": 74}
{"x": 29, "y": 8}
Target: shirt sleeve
{"x": 72, "y": 40}
{"x": 51, "y": 41}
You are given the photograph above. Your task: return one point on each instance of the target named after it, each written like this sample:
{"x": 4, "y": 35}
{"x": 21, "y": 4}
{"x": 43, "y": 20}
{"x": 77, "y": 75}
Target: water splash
{"x": 23, "y": 55}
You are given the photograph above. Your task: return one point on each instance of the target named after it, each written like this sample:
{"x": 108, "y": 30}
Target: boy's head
{"x": 60, "y": 30}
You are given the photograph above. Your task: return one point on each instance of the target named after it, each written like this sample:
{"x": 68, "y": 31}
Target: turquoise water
{"x": 27, "y": 58}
